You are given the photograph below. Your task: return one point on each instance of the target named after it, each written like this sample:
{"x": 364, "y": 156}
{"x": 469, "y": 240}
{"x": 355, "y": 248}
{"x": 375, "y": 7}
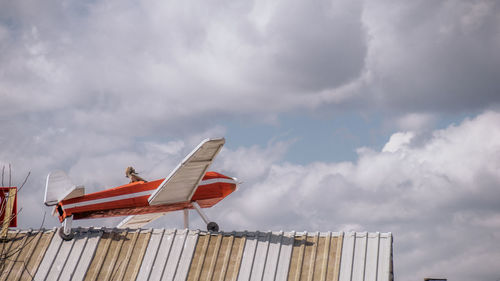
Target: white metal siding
{"x": 107, "y": 254}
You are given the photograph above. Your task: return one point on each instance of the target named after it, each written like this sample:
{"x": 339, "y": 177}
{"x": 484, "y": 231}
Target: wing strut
{"x": 65, "y": 230}
{"x": 211, "y": 226}
{"x": 186, "y": 218}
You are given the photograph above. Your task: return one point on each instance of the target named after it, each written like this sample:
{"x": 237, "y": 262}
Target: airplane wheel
{"x": 212, "y": 226}
{"x": 65, "y": 237}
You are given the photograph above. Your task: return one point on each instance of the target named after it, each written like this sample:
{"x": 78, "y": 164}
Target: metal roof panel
{"x": 159, "y": 254}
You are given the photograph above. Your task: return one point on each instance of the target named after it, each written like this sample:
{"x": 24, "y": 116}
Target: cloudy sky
{"x": 338, "y": 115}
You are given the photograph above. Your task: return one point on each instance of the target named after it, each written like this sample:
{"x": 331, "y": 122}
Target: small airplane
{"x": 189, "y": 186}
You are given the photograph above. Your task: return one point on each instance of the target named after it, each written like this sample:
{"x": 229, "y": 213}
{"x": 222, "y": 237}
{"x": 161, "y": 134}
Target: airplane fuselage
{"x": 132, "y": 199}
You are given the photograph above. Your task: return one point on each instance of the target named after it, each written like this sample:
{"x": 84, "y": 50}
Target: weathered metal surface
{"x": 48, "y": 258}
{"x": 159, "y": 254}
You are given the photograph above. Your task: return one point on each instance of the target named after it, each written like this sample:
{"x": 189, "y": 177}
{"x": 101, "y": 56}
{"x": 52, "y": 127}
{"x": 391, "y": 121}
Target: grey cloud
{"x": 186, "y": 61}
{"x": 76, "y": 55}
{"x": 428, "y": 55}
{"x": 318, "y": 46}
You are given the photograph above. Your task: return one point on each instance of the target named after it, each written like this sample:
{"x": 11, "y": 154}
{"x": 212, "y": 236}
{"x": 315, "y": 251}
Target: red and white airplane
{"x": 189, "y": 186}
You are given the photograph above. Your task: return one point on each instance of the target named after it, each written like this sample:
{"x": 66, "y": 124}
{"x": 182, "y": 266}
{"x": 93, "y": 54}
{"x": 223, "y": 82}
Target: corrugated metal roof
{"x": 163, "y": 254}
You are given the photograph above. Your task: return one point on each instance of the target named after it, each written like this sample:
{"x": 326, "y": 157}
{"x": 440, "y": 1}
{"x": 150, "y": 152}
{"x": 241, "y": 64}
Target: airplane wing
{"x": 182, "y": 182}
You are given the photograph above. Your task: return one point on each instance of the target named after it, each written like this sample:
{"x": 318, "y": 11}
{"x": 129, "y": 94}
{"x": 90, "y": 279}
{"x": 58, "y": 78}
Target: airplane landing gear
{"x": 213, "y": 226}
{"x": 64, "y": 236}
{"x": 65, "y": 231}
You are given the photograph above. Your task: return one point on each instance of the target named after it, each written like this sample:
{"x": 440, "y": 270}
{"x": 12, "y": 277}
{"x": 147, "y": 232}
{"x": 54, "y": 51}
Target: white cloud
{"x": 439, "y": 198}
{"x": 172, "y": 147}
{"x": 398, "y": 141}
{"x": 251, "y": 163}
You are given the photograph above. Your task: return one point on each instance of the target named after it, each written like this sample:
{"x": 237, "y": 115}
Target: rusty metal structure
{"x": 8, "y": 209}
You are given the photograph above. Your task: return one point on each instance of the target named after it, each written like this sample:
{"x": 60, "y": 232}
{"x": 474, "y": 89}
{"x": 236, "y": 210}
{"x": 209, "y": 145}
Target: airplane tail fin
{"x": 59, "y": 187}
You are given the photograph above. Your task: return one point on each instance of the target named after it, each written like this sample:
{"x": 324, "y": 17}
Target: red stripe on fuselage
{"x": 206, "y": 195}
{"x": 116, "y": 191}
